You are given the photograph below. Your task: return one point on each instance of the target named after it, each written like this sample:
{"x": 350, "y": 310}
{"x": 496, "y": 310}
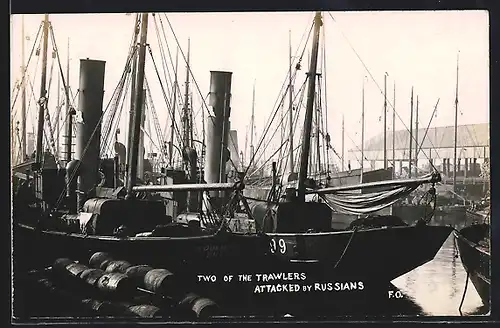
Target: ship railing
{"x": 190, "y": 187}
{"x": 22, "y": 176}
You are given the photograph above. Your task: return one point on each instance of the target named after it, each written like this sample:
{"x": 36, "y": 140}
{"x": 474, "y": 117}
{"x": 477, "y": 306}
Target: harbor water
{"x": 437, "y": 287}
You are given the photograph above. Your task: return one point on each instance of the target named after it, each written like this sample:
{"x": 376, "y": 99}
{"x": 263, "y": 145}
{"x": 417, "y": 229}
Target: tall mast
{"x": 411, "y": 132}
{"x": 342, "y": 152}
{"x": 318, "y": 153}
{"x": 416, "y": 138}
{"x": 290, "y": 105}
{"x": 141, "y": 152}
{"x": 174, "y": 105}
{"x": 43, "y": 92}
{"x": 252, "y": 124}
{"x": 306, "y": 141}
{"x": 58, "y": 113}
{"x": 186, "y": 140}
{"x": 23, "y": 94}
{"x": 362, "y": 130}
{"x": 394, "y": 132}
{"x": 455, "y": 139}
{"x": 385, "y": 121}
{"x": 69, "y": 120}
{"x": 203, "y": 135}
{"x": 135, "y": 124}
{"x": 133, "y": 89}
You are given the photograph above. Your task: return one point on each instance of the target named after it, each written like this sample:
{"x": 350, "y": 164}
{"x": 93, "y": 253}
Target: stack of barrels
{"x": 118, "y": 288}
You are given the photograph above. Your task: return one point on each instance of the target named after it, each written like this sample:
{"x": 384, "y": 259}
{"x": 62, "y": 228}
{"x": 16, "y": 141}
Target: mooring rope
{"x": 465, "y": 292}
{"x": 346, "y": 247}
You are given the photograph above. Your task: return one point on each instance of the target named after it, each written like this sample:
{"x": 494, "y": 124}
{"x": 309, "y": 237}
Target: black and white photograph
{"x": 205, "y": 166}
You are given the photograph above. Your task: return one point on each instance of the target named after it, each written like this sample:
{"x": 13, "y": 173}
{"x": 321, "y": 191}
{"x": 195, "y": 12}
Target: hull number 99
{"x": 277, "y": 246}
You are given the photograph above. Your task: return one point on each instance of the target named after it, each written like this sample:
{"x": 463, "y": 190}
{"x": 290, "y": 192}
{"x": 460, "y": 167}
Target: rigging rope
{"x": 165, "y": 97}
{"x": 283, "y": 91}
{"x": 23, "y": 77}
{"x": 73, "y": 175}
{"x": 380, "y": 89}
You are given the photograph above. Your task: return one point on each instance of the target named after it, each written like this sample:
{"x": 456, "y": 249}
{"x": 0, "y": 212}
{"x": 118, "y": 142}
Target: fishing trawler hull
{"x": 334, "y": 264}
{"x": 378, "y": 254}
{"x": 174, "y": 252}
{"x": 476, "y": 258}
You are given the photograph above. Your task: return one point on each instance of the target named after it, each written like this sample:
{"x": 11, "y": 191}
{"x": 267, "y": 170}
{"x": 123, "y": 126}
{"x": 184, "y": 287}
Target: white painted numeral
{"x": 282, "y": 245}
{"x": 274, "y": 247}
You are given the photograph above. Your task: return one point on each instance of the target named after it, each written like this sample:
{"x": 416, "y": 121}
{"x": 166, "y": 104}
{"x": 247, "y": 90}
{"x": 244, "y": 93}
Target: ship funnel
{"x": 217, "y": 130}
{"x": 88, "y": 126}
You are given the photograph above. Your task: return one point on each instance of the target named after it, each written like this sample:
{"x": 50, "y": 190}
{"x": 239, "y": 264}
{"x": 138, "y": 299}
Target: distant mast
{"x": 252, "y": 125}
{"x": 174, "y": 105}
{"x": 186, "y": 126}
{"x": 290, "y": 107}
{"x": 23, "y": 94}
{"x": 306, "y": 142}
{"x": 416, "y": 139}
{"x": 385, "y": 121}
{"x": 411, "y": 133}
{"x": 342, "y": 150}
{"x": 362, "y": 130}
{"x": 69, "y": 114}
{"x": 394, "y": 132}
{"x": 456, "y": 128}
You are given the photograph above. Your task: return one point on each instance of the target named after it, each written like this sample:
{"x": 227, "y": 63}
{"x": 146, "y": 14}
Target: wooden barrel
{"x": 160, "y": 281}
{"x": 118, "y": 266}
{"x": 185, "y": 310}
{"x": 146, "y": 311}
{"x": 105, "y": 308}
{"x": 188, "y": 299}
{"x": 76, "y": 269}
{"x": 201, "y": 307}
{"x": 204, "y": 308}
{"x": 91, "y": 276}
{"x": 46, "y": 283}
{"x": 115, "y": 282}
{"x": 104, "y": 264}
{"x": 61, "y": 263}
{"x": 97, "y": 259}
{"x": 137, "y": 273}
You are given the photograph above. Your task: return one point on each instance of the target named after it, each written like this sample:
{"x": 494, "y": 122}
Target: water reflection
{"x": 438, "y": 286}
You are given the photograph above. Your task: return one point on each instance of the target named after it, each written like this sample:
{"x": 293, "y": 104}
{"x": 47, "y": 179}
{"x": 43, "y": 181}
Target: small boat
{"x": 474, "y": 247}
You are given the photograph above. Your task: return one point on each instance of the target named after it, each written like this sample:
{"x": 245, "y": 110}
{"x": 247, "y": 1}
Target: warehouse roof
{"x": 470, "y": 135}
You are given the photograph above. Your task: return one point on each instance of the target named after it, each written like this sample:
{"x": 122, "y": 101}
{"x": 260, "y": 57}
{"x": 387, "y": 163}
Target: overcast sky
{"x": 415, "y": 48}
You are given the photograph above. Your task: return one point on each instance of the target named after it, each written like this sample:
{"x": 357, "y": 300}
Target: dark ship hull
{"x": 343, "y": 266}
{"x": 476, "y": 257}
